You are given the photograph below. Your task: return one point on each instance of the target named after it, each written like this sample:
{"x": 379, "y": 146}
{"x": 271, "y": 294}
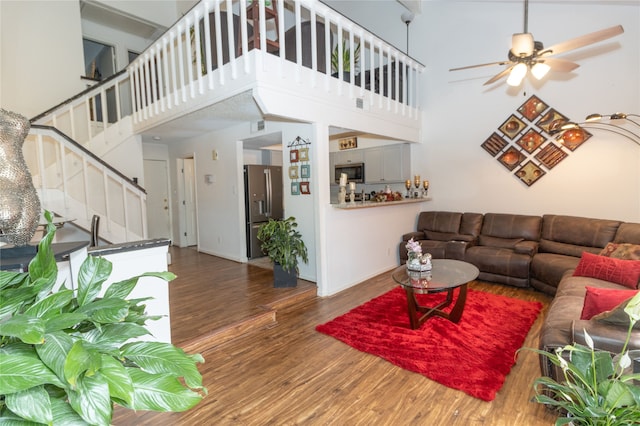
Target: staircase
{"x": 188, "y": 69}
{"x": 64, "y": 151}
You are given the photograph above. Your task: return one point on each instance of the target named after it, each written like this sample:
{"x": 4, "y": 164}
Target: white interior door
{"x": 189, "y": 202}
{"x": 156, "y": 182}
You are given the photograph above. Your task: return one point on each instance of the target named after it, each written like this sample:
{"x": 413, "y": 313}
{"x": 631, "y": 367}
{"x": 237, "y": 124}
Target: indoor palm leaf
{"x": 67, "y": 357}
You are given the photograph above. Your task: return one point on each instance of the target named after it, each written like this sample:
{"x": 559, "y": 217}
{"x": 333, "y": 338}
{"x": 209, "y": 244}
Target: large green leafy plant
{"x": 598, "y": 388}
{"x": 282, "y": 242}
{"x": 66, "y": 357}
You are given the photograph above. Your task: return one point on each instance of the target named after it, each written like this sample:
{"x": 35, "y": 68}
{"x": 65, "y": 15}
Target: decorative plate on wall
{"x": 494, "y": 144}
{"x": 512, "y": 126}
{"x": 530, "y": 173}
{"x": 524, "y": 145}
{"x": 511, "y": 158}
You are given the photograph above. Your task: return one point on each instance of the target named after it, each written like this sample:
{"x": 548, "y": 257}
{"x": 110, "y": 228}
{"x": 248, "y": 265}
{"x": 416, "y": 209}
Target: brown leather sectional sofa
{"x": 533, "y": 251}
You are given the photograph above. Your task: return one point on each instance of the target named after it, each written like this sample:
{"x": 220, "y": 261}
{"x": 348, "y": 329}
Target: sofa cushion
{"x": 548, "y": 246}
{"x": 624, "y": 272}
{"x": 598, "y": 300}
{"x": 440, "y": 236}
{"x": 628, "y": 233}
{"x": 579, "y": 231}
{"x": 470, "y": 225}
{"x": 511, "y": 226}
{"x": 549, "y": 267}
{"x": 499, "y": 261}
{"x": 508, "y": 243}
{"x": 617, "y": 315}
{"x": 622, "y": 251}
{"x": 446, "y": 222}
{"x": 566, "y": 307}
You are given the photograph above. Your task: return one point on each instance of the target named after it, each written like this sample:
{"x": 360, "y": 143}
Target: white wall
{"x": 41, "y": 57}
{"x": 220, "y": 207}
{"x": 600, "y": 179}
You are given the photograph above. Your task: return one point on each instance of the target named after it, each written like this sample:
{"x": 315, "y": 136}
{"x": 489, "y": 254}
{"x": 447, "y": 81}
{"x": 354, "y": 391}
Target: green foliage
{"x": 346, "y": 57}
{"x": 598, "y": 388}
{"x": 283, "y": 243}
{"x": 66, "y": 357}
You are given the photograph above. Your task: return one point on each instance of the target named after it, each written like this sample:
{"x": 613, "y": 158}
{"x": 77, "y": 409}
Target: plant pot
{"x": 346, "y": 76}
{"x": 282, "y": 278}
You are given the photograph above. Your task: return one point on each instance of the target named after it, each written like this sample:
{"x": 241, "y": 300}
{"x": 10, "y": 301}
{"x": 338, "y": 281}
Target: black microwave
{"x": 354, "y": 172}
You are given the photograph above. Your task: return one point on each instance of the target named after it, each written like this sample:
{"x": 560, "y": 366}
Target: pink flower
{"x": 413, "y": 247}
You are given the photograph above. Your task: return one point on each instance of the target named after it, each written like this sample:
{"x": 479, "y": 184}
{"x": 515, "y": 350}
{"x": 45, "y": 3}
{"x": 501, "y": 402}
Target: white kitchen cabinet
{"x": 387, "y": 164}
{"x": 349, "y": 156}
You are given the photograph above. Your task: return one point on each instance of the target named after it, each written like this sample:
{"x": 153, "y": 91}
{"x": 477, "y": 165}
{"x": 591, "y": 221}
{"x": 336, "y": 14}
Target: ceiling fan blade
{"x": 582, "y": 41}
{"x": 558, "y": 64}
{"x": 499, "y": 75}
{"x": 480, "y": 65}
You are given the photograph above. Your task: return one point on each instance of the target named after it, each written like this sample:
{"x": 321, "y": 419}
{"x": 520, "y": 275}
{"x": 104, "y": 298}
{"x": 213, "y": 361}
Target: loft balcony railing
{"x": 210, "y": 54}
{"x": 189, "y": 67}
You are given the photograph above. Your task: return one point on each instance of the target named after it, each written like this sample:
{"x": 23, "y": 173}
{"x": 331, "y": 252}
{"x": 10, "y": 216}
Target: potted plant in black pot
{"x": 283, "y": 244}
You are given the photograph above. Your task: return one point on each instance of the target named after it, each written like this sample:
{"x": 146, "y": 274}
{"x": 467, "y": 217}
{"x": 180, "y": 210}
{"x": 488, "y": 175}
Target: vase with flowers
{"x": 416, "y": 260}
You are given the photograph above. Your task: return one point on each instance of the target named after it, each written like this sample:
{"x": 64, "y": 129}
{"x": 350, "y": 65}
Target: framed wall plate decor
{"x": 293, "y": 172}
{"x": 293, "y": 156}
{"x": 304, "y": 188}
{"x": 512, "y": 126}
{"x": 295, "y": 188}
{"x": 532, "y": 108}
{"x": 303, "y": 154}
{"x": 305, "y": 171}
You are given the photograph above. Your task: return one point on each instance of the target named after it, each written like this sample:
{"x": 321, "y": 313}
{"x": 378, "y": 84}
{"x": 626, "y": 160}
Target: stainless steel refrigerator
{"x": 263, "y": 200}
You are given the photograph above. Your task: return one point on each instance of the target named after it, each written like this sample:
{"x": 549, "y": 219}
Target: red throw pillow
{"x": 623, "y": 272}
{"x": 598, "y": 300}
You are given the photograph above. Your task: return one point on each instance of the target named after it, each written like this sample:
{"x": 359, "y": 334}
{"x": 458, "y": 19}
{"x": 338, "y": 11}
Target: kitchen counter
{"x": 372, "y": 204}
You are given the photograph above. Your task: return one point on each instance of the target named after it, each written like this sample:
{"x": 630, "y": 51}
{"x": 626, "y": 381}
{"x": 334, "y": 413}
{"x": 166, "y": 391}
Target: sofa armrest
{"x": 526, "y": 247}
{"x": 456, "y": 249}
{"x": 416, "y": 235}
{"x": 607, "y": 337}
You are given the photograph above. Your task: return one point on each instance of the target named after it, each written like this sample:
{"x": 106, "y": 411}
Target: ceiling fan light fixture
{"x": 517, "y": 74}
{"x": 522, "y": 44}
{"x": 539, "y": 70}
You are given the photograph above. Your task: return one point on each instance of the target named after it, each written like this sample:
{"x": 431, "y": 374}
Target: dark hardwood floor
{"x": 266, "y": 365}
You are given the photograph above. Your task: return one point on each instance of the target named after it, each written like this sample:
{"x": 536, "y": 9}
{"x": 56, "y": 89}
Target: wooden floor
{"x": 280, "y": 371}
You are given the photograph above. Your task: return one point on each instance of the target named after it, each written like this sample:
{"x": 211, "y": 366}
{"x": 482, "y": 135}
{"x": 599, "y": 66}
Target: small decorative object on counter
{"x": 425, "y": 185}
{"x": 417, "y": 261}
{"x": 407, "y": 184}
{"x": 352, "y": 187}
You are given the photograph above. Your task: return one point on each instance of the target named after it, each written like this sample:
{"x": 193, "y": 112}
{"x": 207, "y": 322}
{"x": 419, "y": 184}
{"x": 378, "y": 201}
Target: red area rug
{"x": 473, "y": 356}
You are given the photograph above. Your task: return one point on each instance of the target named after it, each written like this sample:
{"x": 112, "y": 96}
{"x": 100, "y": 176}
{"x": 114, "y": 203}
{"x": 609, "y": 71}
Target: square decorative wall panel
{"x": 523, "y": 142}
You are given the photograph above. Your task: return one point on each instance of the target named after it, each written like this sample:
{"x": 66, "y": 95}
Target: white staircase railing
{"x": 74, "y": 183}
{"x": 95, "y": 117}
{"x": 203, "y": 59}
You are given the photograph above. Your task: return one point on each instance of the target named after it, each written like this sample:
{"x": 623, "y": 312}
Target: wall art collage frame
{"x": 299, "y": 166}
{"x": 524, "y": 144}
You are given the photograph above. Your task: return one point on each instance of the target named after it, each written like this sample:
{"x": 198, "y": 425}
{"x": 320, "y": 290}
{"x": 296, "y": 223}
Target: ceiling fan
{"x": 526, "y": 54}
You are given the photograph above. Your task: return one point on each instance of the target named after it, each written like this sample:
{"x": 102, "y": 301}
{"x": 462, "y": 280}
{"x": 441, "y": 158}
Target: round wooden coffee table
{"x": 445, "y": 275}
